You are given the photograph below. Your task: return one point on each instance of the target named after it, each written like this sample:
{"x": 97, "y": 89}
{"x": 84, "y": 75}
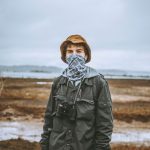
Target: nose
{"x": 74, "y": 52}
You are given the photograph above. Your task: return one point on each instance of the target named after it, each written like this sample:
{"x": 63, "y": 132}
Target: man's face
{"x": 76, "y": 49}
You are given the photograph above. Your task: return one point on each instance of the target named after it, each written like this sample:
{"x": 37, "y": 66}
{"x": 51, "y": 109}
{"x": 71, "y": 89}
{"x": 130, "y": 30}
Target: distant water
{"x": 48, "y": 72}
{"x": 41, "y": 75}
{"x": 30, "y": 75}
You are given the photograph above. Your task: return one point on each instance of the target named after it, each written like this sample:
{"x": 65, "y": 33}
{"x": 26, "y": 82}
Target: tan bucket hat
{"x": 75, "y": 39}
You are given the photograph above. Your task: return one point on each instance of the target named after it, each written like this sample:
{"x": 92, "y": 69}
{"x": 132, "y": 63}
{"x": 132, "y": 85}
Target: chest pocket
{"x": 59, "y": 99}
{"x": 85, "y": 109}
{"x": 57, "y": 119}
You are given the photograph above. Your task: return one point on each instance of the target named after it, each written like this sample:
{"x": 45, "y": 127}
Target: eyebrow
{"x": 69, "y": 50}
{"x": 79, "y": 48}
{"x": 76, "y": 49}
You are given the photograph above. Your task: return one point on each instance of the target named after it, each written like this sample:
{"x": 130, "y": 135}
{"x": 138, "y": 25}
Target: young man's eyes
{"x": 69, "y": 51}
{"x": 79, "y": 51}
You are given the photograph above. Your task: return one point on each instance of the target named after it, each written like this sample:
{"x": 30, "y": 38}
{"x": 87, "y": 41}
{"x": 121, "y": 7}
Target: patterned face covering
{"x": 76, "y": 67}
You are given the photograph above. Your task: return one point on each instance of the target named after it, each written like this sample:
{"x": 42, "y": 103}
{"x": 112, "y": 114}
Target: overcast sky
{"x": 118, "y": 31}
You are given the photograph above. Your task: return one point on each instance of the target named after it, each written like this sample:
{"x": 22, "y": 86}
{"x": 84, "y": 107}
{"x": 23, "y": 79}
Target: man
{"x": 79, "y": 111}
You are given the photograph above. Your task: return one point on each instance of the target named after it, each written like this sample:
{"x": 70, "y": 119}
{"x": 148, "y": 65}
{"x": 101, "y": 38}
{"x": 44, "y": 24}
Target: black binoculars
{"x": 66, "y": 109}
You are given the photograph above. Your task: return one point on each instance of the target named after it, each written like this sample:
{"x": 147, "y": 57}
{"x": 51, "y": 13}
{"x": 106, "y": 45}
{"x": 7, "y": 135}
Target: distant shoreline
{"x": 52, "y": 77}
{"x": 48, "y": 72}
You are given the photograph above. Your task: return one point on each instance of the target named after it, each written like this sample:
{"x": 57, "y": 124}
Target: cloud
{"x": 35, "y": 26}
{"x": 121, "y": 59}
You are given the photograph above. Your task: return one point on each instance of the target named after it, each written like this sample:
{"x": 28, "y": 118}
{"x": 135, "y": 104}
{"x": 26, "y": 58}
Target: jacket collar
{"x": 63, "y": 80}
{"x": 91, "y": 73}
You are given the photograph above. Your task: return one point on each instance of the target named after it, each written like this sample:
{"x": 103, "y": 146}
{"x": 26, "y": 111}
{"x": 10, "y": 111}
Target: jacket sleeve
{"x": 104, "y": 117}
{"x": 48, "y": 122}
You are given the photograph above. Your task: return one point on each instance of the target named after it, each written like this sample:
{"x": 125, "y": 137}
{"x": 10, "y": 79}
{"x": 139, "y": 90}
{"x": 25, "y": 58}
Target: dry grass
{"x": 22, "y": 97}
{"x": 129, "y": 111}
{"x": 19, "y": 144}
{"x": 25, "y": 99}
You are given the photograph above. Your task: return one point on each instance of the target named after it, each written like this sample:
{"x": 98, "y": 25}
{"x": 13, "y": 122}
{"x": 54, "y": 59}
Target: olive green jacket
{"x": 93, "y": 126}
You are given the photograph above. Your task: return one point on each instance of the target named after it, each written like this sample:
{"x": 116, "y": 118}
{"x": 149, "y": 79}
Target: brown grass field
{"x": 26, "y": 99}
{"x": 19, "y": 144}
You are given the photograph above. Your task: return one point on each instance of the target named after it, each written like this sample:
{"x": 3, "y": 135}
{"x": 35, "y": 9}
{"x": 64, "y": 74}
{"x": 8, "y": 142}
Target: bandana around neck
{"x": 76, "y": 67}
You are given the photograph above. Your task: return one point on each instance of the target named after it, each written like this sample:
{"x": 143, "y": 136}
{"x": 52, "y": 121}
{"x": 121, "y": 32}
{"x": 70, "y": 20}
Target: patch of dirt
{"x": 129, "y": 147}
{"x": 16, "y": 112}
{"x": 132, "y": 111}
{"x": 20, "y": 144}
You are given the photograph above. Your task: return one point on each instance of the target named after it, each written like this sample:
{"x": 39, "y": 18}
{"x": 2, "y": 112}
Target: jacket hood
{"x": 91, "y": 72}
